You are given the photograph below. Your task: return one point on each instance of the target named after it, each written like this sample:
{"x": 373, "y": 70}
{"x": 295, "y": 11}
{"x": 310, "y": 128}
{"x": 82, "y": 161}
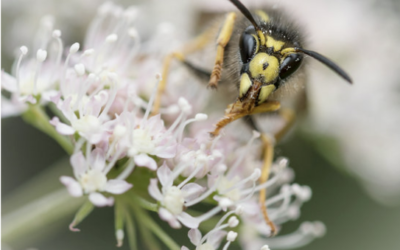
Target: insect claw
{"x": 213, "y": 83}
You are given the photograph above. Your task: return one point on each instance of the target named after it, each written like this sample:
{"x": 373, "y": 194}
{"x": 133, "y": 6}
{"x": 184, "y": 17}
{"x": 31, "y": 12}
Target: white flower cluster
{"x": 104, "y": 107}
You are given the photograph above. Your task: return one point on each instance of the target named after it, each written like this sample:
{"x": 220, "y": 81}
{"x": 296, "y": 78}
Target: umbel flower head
{"x": 102, "y": 96}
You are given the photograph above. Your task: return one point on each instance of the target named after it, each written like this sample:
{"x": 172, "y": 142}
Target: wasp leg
{"x": 268, "y": 143}
{"x": 236, "y": 111}
{"x": 197, "y": 44}
{"x": 163, "y": 82}
{"x": 223, "y": 39}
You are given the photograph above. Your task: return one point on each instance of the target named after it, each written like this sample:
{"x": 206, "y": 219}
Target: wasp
{"x": 262, "y": 53}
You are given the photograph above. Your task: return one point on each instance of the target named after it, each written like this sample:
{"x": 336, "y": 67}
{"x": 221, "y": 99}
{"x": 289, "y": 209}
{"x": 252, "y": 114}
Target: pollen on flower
{"x": 173, "y": 200}
{"x": 142, "y": 142}
{"x": 93, "y": 180}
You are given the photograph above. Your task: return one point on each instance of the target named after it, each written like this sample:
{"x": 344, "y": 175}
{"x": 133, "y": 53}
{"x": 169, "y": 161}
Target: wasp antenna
{"x": 246, "y": 13}
{"x": 333, "y": 66}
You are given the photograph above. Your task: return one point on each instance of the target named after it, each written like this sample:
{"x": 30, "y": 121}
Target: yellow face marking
{"x": 264, "y": 65}
{"x": 265, "y": 92}
{"x": 245, "y": 84}
{"x": 264, "y": 16}
{"x": 271, "y": 42}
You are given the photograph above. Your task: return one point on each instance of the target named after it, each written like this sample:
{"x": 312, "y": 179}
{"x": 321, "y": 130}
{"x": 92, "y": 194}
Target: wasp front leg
{"x": 268, "y": 148}
{"x": 223, "y": 39}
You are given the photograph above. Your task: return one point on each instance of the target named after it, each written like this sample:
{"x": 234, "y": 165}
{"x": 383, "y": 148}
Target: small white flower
{"x": 173, "y": 198}
{"x": 90, "y": 179}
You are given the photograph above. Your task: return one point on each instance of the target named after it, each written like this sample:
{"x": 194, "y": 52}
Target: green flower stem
{"x": 144, "y": 203}
{"x": 145, "y": 220}
{"x": 36, "y": 116}
{"x": 149, "y": 240}
{"x": 37, "y": 215}
{"x": 57, "y": 112}
{"x": 119, "y": 220}
{"x": 131, "y": 230}
{"x": 84, "y": 211}
{"x": 32, "y": 213}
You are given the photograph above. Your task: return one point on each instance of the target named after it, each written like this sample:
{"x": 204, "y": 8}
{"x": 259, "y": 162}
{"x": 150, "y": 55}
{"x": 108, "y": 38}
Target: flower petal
{"x": 78, "y": 163}
{"x": 168, "y": 217}
{"x": 166, "y": 151}
{"x": 144, "y": 160}
{"x": 100, "y": 200}
{"x": 215, "y": 238}
{"x": 117, "y": 186}
{"x": 8, "y": 82}
{"x": 154, "y": 191}
{"x": 164, "y": 175}
{"x": 50, "y": 95}
{"x": 73, "y": 187}
{"x": 62, "y": 128}
{"x": 11, "y": 108}
{"x": 194, "y": 236}
{"x": 192, "y": 191}
{"x": 188, "y": 220}
{"x": 97, "y": 159}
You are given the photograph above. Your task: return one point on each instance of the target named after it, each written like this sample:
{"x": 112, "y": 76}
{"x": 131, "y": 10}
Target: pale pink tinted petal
{"x": 50, "y": 95}
{"x": 155, "y": 124}
{"x": 192, "y": 191}
{"x": 144, "y": 160}
{"x": 94, "y": 138}
{"x": 190, "y": 144}
{"x": 184, "y": 248}
{"x": 9, "y": 108}
{"x": 97, "y": 159}
{"x": 164, "y": 175}
{"x": 251, "y": 208}
{"x": 154, "y": 191}
{"x": 188, "y": 220}
{"x": 97, "y": 102}
{"x": 117, "y": 186}
{"x": 168, "y": 217}
{"x": 216, "y": 238}
{"x": 62, "y": 128}
{"x": 211, "y": 179}
{"x": 56, "y": 98}
{"x": 194, "y": 236}
{"x": 64, "y": 106}
{"x": 73, "y": 187}
{"x": 28, "y": 98}
{"x": 8, "y": 82}
{"x": 166, "y": 152}
{"x": 100, "y": 200}
{"x": 78, "y": 163}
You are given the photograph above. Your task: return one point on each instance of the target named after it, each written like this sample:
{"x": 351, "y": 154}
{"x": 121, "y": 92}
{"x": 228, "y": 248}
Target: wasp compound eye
{"x": 248, "y": 44}
{"x": 289, "y": 65}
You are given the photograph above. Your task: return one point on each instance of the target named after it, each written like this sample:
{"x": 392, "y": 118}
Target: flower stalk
{"x": 37, "y": 117}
